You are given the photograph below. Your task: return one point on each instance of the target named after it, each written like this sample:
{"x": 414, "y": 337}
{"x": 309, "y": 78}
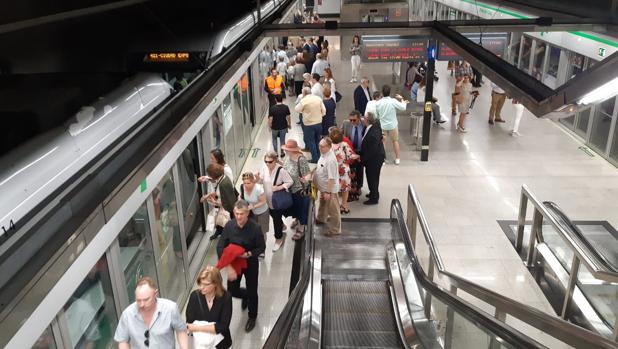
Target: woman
{"x": 297, "y": 166}
{"x": 210, "y": 303}
{"x": 345, "y": 156}
{"x": 519, "y": 112}
{"x": 216, "y": 157}
{"x": 223, "y": 195}
{"x": 329, "y": 103}
{"x": 355, "y": 52}
{"x": 253, "y": 193}
{"x": 299, "y": 70}
{"x": 283, "y": 182}
{"x": 463, "y": 94}
{"x": 328, "y": 77}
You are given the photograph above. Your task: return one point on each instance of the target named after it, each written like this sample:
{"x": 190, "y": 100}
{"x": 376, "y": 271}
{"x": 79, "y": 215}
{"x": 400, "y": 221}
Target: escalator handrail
{"x": 597, "y": 266}
{"x": 569, "y": 226}
{"x": 280, "y": 331}
{"x": 557, "y": 328}
{"x": 509, "y": 335}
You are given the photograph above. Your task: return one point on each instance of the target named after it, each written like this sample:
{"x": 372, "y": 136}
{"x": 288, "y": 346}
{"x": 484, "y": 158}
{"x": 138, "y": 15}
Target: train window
{"x": 539, "y": 59}
{"x": 136, "y": 255}
{"x": 553, "y": 62}
{"x": 90, "y": 313}
{"x": 525, "y": 54}
{"x": 170, "y": 260}
{"x": 228, "y": 133}
{"x": 582, "y": 122}
{"x": 601, "y": 124}
{"x": 577, "y": 64}
{"x": 613, "y": 151}
{"x": 514, "y": 48}
{"x": 188, "y": 170}
{"x": 45, "y": 341}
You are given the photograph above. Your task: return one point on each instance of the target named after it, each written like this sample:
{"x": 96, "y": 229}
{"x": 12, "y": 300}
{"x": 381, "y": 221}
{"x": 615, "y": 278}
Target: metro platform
{"x": 472, "y": 181}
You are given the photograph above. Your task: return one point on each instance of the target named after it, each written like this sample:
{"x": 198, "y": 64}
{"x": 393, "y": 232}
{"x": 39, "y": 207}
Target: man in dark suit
{"x": 354, "y": 129}
{"x": 372, "y": 157}
{"x": 362, "y": 96}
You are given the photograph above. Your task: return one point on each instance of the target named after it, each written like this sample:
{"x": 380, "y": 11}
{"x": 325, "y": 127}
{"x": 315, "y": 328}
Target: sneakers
{"x": 261, "y": 256}
{"x": 515, "y": 134}
{"x": 397, "y": 161}
{"x": 278, "y": 245}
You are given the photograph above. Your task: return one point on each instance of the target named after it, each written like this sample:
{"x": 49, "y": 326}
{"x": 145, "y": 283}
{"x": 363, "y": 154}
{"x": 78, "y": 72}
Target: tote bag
{"x": 282, "y": 199}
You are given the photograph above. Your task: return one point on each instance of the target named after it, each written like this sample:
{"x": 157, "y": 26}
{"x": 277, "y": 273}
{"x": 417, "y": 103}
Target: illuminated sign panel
{"x": 493, "y": 42}
{"x": 393, "y": 48}
{"x": 167, "y": 57}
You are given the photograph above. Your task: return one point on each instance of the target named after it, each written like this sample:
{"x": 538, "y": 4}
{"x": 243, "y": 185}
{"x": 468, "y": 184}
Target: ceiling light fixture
{"x": 601, "y": 93}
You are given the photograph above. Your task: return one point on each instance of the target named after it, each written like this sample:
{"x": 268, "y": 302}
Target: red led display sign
{"x": 393, "y": 48}
{"x": 493, "y": 42}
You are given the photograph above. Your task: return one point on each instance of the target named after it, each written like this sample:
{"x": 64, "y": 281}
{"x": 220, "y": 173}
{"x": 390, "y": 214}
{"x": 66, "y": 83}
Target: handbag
{"x": 222, "y": 217}
{"x": 338, "y": 96}
{"x": 314, "y": 191}
{"x": 282, "y": 199}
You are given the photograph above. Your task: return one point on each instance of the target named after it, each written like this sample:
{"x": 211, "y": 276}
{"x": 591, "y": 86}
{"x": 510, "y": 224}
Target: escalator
{"x": 367, "y": 289}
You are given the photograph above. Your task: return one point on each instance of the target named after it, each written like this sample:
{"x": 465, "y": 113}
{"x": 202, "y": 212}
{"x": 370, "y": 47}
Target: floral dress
{"x": 343, "y": 153}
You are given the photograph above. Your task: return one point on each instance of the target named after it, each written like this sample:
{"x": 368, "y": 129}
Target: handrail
{"x": 558, "y": 328}
{"x": 280, "y": 331}
{"x": 598, "y": 267}
{"x": 501, "y": 330}
{"x": 557, "y": 211}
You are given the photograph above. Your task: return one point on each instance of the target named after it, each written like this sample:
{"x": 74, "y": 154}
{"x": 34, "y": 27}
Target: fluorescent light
{"x": 601, "y": 93}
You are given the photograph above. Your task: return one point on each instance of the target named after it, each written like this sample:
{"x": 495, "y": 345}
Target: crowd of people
{"x": 335, "y": 163}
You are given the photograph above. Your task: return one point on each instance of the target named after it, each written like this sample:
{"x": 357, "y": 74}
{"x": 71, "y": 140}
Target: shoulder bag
{"x": 282, "y": 199}
{"x": 338, "y": 96}
{"x": 222, "y": 216}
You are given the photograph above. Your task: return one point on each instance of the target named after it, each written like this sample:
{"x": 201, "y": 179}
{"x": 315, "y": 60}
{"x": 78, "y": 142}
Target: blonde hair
{"x": 249, "y": 176}
{"x": 212, "y": 274}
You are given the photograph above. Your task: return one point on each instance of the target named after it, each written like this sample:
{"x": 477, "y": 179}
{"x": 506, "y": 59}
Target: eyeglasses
{"x": 147, "y": 335}
{"x": 269, "y": 161}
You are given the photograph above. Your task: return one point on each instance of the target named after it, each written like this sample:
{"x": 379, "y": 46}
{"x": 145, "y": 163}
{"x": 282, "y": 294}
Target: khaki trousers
{"x": 328, "y": 212}
{"x": 497, "y": 101}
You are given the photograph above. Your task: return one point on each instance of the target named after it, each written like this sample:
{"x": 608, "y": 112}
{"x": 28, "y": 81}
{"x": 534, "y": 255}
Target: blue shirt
{"x": 165, "y": 320}
{"x": 386, "y": 112}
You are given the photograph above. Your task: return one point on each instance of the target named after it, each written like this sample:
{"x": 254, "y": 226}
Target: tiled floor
{"x": 471, "y": 181}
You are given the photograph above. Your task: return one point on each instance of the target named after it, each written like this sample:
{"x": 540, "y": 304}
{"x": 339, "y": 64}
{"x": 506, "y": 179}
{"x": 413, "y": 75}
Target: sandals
{"x": 344, "y": 210}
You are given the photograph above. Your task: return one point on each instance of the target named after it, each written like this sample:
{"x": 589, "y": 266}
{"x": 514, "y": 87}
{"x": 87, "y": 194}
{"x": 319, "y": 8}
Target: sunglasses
{"x": 147, "y": 335}
{"x": 269, "y": 161}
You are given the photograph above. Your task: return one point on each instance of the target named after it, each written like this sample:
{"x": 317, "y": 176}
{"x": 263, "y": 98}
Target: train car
{"x": 32, "y": 172}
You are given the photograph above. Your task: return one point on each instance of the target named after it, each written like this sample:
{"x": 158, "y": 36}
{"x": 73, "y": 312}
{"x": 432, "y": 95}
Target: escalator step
{"x": 354, "y": 287}
{"x": 356, "y": 339}
{"x": 371, "y": 303}
{"x": 360, "y": 321}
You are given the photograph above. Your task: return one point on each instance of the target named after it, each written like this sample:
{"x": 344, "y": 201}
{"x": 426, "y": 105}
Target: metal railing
{"x": 582, "y": 250}
{"x": 555, "y": 327}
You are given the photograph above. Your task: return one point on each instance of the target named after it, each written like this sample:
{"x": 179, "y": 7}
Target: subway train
{"x": 35, "y": 170}
{"x": 133, "y": 229}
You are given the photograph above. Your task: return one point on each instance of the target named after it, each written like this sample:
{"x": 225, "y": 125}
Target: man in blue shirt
{"x": 386, "y": 110}
{"x": 150, "y": 322}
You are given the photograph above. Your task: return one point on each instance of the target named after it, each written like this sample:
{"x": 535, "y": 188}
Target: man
{"x": 386, "y": 112}
{"x": 316, "y": 87}
{"x": 354, "y": 129}
{"x": 279, "y": 122}
{"x": 371, "y": 105}
{"x": 372, "y": 156}
{"x": 150, "y": 322}
{"x": 362, "y": 96}
{"x": 248, "y": 234}
{"x": 478, "y": 78}
{"x": 274, "y": 85}
{"x": 313, "y": 109}
{"x": 326, "y": 178}
{"x": 462, "y": 70}
{"x": 319, "y": 65}
{"x": 498, "y": 96}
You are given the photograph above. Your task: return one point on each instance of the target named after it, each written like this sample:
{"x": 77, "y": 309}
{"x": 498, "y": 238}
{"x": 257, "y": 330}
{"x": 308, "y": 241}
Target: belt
{"x": 498, "y": 93}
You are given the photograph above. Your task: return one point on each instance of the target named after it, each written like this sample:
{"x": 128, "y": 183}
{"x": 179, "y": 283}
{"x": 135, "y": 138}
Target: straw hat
{"x": 291, "y": 146}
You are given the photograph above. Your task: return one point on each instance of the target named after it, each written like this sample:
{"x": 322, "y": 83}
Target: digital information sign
{"x": 493, "y": 42}
{"x": 393, "y": 48}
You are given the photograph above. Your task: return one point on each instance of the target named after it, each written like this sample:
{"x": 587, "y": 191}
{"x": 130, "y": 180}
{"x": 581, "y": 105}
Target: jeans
{"x": 281, "y": 135}
{"x": 313, "y": 133}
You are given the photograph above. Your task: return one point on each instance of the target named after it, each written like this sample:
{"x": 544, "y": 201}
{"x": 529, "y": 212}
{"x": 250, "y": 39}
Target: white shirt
{"x": 333, "y": 88}
{"x": 254, "y": 198}
{"x": 318, "y": 66}
{"x": 284, "y": 55}
{"x": 371, "y": 107}
{"x": 317, "y": 90}
{"x": 495, "y": 88}
{"x": 366, "y": 91}
{"x": 326, "y": 169}
{"x": 268, "y": 178}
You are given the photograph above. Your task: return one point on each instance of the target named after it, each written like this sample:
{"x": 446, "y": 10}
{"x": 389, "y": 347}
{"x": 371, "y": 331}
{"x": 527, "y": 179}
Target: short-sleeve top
{"x": 165, "y": 321}
{"x": 254, "y": 198}
{"x": 293, "y": 169}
